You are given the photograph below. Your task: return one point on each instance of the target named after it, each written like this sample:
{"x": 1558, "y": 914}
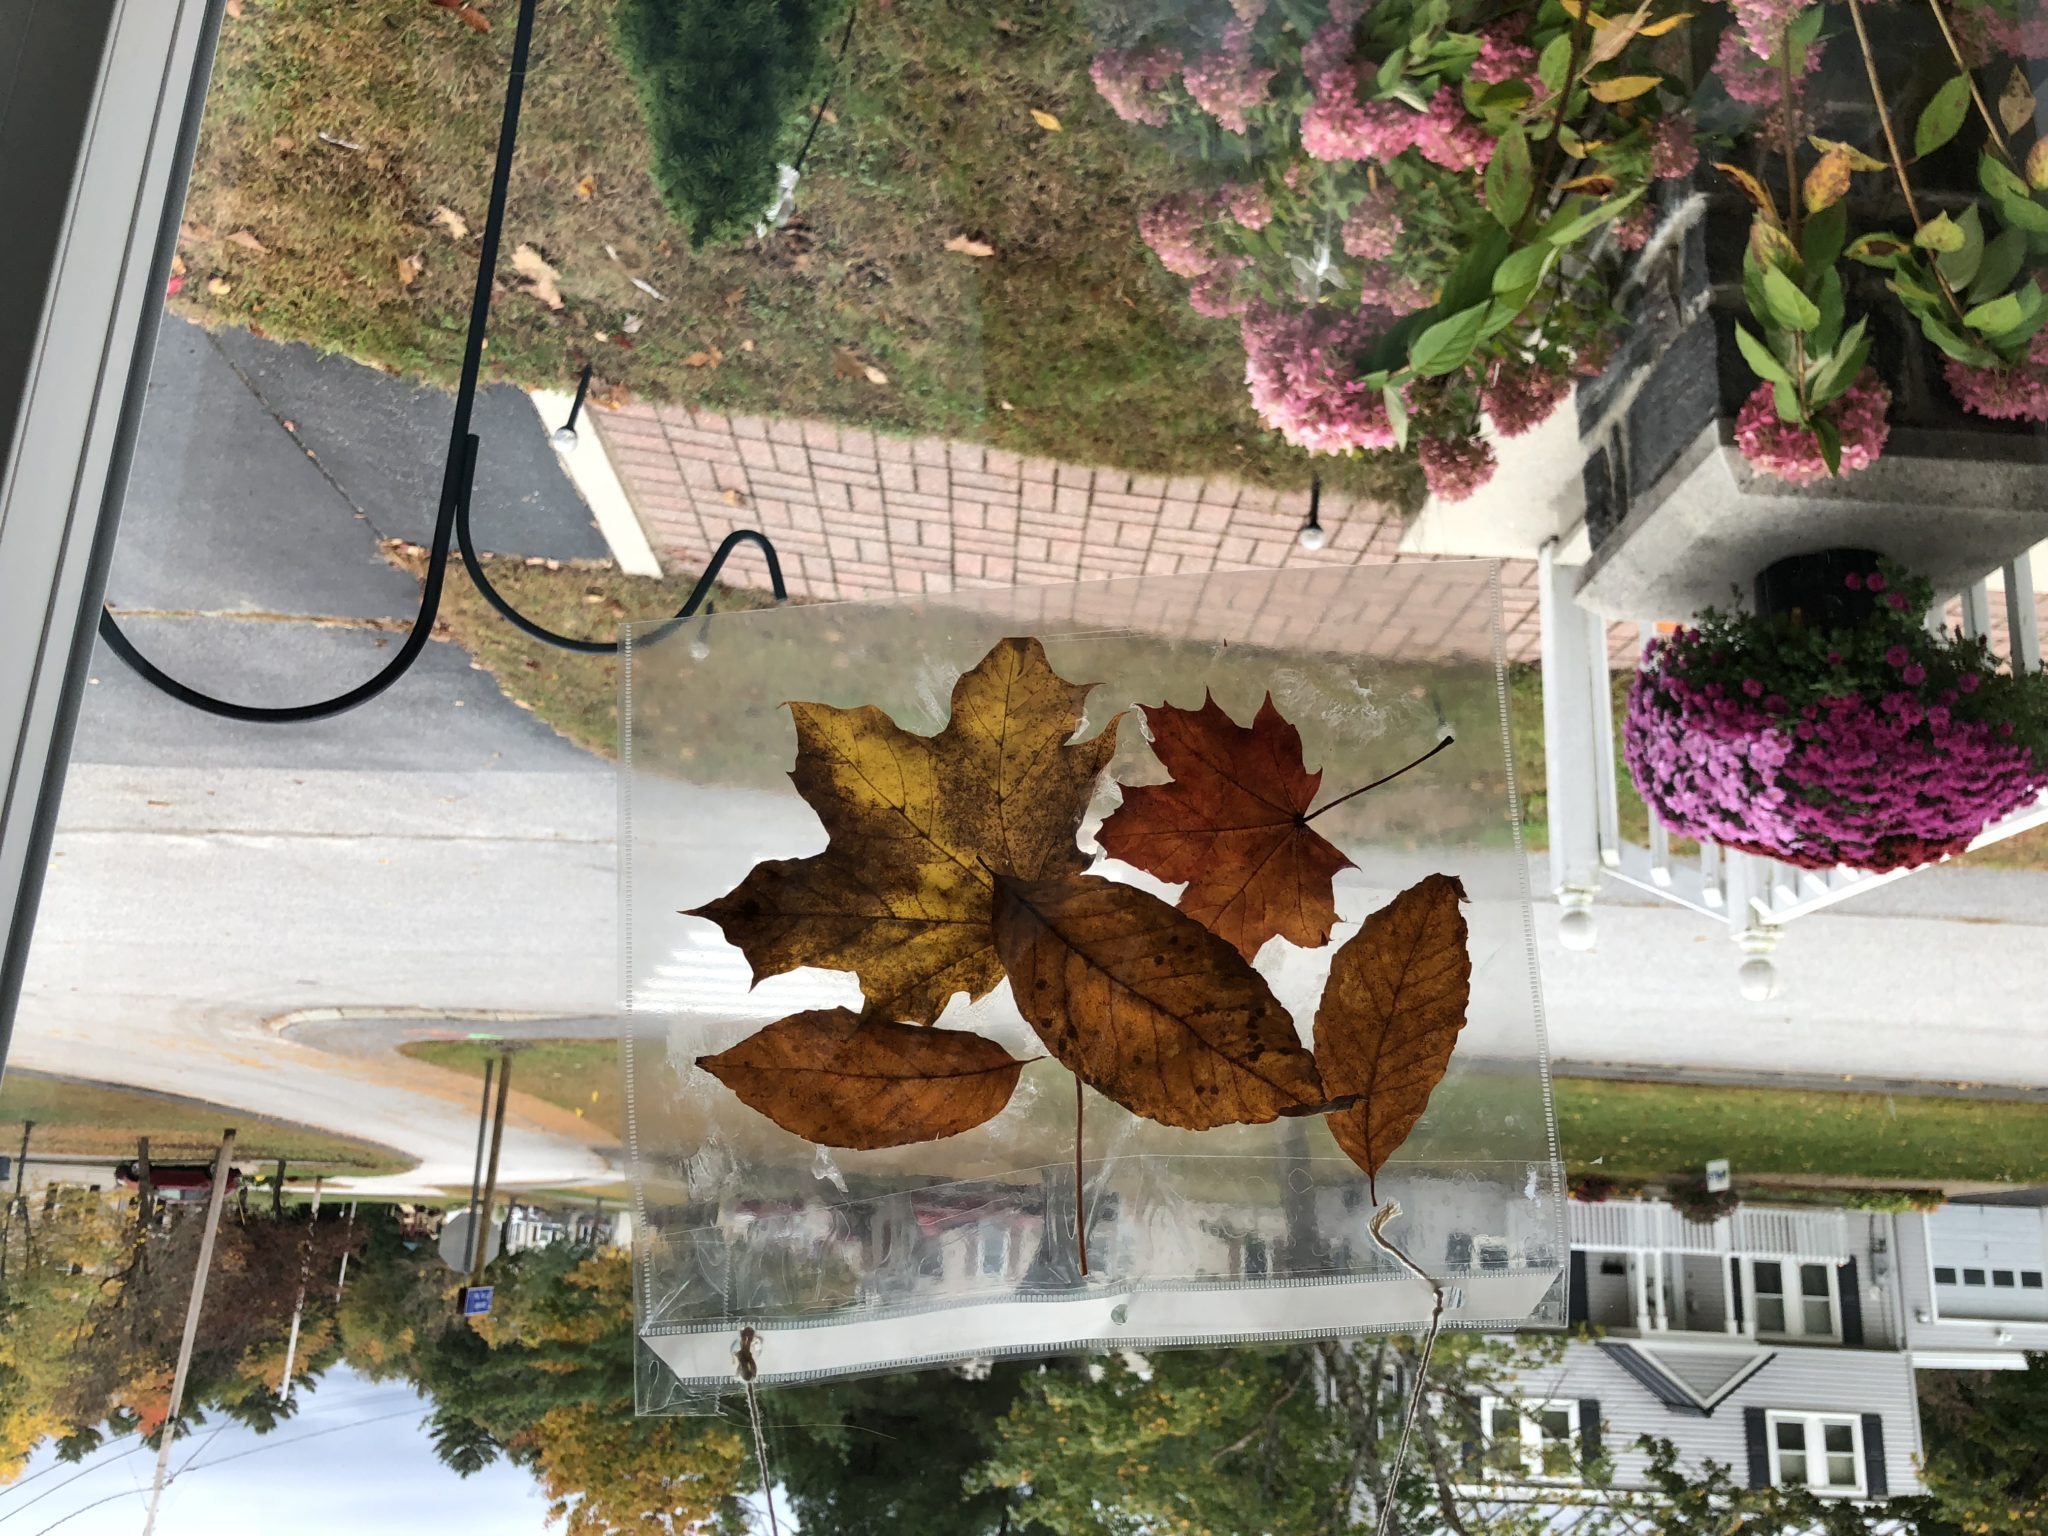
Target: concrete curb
{"x": 589, "y": 468}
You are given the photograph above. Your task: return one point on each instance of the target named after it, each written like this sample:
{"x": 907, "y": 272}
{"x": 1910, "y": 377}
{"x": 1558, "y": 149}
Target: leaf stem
{"x": 1080, "y": 1209}
{"x": 1998, "y": 141}
{"x": 1794, "y": 203}
{"x": 1891, "y": 141}
{"x": 1386, "y": 779}
{"x": 1581, "y": 30}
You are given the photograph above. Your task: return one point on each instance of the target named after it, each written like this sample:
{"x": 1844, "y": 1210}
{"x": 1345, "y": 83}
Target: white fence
{"x": 1654, "y": 1226}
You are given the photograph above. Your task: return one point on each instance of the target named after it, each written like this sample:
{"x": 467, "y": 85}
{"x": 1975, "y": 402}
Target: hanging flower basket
{"x": 1831, "y": 728}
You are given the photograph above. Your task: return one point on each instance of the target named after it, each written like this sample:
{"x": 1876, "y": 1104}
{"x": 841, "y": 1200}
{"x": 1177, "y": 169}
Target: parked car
{"x": 176, "y": 1181}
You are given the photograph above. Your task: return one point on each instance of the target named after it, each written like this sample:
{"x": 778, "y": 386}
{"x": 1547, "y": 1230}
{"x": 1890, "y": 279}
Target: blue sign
{"x": 476, "y": 1300}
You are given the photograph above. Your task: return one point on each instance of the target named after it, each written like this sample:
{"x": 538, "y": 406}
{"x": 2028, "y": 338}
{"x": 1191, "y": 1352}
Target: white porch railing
{"x": 1755, "y": 896}
{"x": 1651, "y": 1225}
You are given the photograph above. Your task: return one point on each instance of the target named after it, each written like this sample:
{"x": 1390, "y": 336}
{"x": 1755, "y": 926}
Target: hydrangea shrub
{"x": 1874, "y": 744}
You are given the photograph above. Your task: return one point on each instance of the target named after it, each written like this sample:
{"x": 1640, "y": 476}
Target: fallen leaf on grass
{"x": 1148, "y": 1007}
{"x": 234, "y": 9}
{"x": 1045, "y": 120}
{"x": 631, "y": 325}
{"x": 453, "y": 223}
{"x": 648, "y": 288}
{"x": 218, "y": 286}
{"x": 177, "y": 265}
{"x": 586, "y": 187}
{"x": 409, "y": 270}
{"x": 469, "y": 15}
{"x": 875, "y": 375}
{"x": 967, "y": 247}
{"x": 747, "y": 345}
{"x": 1390, "y": 1017}
{"x": 195, "y": 234}
{"x": 710, "y": 358}
{"x": 542, "y": 280}
{"x": 733, "y": 296}
{"x": 1233, "y": 824}
{"x": 339, "y": 143}
{"x": 919, "y": 828}
{"x": 284, "y": 143}
{"x": 834, "y": 1080}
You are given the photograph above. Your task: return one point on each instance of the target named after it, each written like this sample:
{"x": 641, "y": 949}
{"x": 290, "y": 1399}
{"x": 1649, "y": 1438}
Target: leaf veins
{"x": 1390, "y": 1017}
{"x": 920, "y": 828}
{"x": 1234, "y": 825}
{"x": 840, "y": 1082}
{"x": 1148, "y": 1007}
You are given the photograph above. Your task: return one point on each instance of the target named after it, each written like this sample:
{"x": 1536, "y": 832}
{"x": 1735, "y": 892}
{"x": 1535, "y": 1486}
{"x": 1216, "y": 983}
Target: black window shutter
{"x": 1735, "y": 1288}
{"x": 1875, "y": 1483}
{"x": 1852, "y": 1304}
{"x": 1756, "y": 1429}
{"x": 1589, "y": 1429}
{"x": 1577, "y": 1297}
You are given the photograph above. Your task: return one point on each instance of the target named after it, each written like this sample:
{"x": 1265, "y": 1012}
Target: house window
{"x": 2030, "y": 1279}
{"x": 1818, "y": 1451}
{"x": 2001, "y": 1277}
{"x": 1794, "y": 1301}
{"x": 1973, "y": 1277}
{"x": 1531, "y": 1439}
{"x": 1944, "y": 1274}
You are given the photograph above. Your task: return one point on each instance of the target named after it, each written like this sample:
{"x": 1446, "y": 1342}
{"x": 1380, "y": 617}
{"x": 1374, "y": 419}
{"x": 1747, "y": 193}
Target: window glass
{"x": 1973, "y": 1277}
{"x": 2001, "y": 1277}
{"x": 1944, "y": 1275}
{"x": 2030, "y": 1279}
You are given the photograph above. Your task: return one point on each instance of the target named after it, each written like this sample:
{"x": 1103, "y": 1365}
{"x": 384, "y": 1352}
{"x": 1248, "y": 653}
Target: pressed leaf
{"x": 919, "y": 828}
{"x": 1234, "y": 825}
{"x": 1942, "y": 117}
{"x": 839, "y": 1081}
{"x": 1390, "y": 1017}
{"x": 1148, "y": 1007}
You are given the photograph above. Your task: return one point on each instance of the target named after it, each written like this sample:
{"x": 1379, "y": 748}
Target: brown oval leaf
{"x": 967, "y": 245}
{"x": 1623, "y": 87}
{"x": 841, "y": 1082}
{"x": 1828, "y": 182}
{"x": 1390, "y": 1017}
{"x": 1757, "y": 192}
{"x": 919, "y": 827}
{"x": 2016, "y": 101}
{"x": 1234, "y": 825}
{"x": 1045, "y": 120}
{"x": 1148, "y": 1007}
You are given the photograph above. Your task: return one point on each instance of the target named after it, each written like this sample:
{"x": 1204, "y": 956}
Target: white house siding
{"x": 1814, "y": 1380}
{"x": 1928, "y": 1333}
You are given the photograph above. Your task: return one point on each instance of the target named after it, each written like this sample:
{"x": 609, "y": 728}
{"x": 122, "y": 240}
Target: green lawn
{"x": 1639, "y": 1130}
{"x": 1069, "y": 340}
{"x": 1648, "y": 1130}
{"x": 80, "y": 1119}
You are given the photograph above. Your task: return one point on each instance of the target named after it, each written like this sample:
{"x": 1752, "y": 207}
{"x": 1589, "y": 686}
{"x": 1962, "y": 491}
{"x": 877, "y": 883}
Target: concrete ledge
{"x": 589, "y": 468}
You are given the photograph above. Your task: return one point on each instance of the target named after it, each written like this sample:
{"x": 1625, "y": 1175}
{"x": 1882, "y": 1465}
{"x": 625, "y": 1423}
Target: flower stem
{"x": 1581, "y": 28}
{"x": 1983, "y": 108}
{"x": 1891, "y": 141}
{"x": 1080, "y": 1208}
{"x": 1793, "y": 202}
{"x": 1385, "y": 779}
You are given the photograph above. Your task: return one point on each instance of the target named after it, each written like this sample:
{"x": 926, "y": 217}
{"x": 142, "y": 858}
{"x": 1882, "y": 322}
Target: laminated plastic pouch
{"x": 846, "y": 1262}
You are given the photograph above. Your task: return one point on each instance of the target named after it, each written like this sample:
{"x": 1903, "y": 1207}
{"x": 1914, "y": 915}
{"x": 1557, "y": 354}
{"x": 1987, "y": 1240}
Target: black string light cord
{"x": 458, "y": 471}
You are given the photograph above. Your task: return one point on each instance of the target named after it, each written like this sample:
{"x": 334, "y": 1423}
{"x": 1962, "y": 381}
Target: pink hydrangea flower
{"x": 2011, "y": 392}
{"x": 1227, "y": 84}
{"x": 1215, "y": 293}
{"x": 1249, "y": 203}
{"x": 1173, "y": 227}
{"x": 1521, "y": 397}
{"x": 1673, "y": 152}
{"x": 1451, "y": 137}
{"x": 1791, "y": 452}
{"x": 1633, "y": 230}
{"x": 1248, "y": 11}
{"x": 1750, "y": 79}
{"x": 1303, "y": 368}
{"x": 1503, "y": 55}
{"x": 1387, "y": 286}
{"x": 1763, "y": 22}
{"x": 1455, "y": 467}
{"x": 1133, "y": 82}
{"x": 2026, "y": 36}
{"x": 1374, "y": 226}
{"x": 1337, "y": 125}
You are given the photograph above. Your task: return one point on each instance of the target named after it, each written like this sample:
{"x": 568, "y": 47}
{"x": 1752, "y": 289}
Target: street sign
{"x": 1719, "y": 1178}
{"x": 475, "y": 1300}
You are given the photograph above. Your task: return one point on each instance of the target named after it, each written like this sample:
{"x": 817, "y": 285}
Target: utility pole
{"x": 476, "y": 1174}
{"x": 277, "y": 1191}
{"x": 145, "y": 1186}
{"x": 483, "y": 1247}
{"x": 291, "y": 1349}
{"x": 348, "y": 1238}
{"x": 21, "y": 1163}
{"x": 215, "y": 1199}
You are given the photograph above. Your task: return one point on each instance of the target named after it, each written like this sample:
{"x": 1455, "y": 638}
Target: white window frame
{"x": 1815, "y": 1427}
{"x": 1531, "y": 1441}
{"x": 1794, "y": 1299}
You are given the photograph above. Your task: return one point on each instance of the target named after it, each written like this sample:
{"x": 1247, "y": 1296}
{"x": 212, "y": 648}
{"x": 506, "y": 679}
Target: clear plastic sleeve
{"x": 847, "y": 1262}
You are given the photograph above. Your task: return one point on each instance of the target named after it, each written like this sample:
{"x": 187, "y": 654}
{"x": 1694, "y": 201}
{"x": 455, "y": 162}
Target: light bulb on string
{"x": 1313, "y": 536}
{"x": 564, "y": 437}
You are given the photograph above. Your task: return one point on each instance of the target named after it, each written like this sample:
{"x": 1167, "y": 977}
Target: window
{"x": 1794, "y": 1301}
{"x": 2030, "y": 1280}
{"x": 1973, "y": 1277}
{"x": 1818, "y": 1451}
{"x": 1944, "y": 1274}
{"x": 2001, "y": 1277}
{"x": 1531, "y": 1439}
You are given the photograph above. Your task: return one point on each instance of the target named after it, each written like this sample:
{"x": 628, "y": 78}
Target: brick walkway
{"x": 862, "y": 514}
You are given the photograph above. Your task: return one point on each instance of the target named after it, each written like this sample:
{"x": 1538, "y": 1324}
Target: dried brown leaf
{"x": 1148, "y": 1007}
{"x": 542, "y": 280}
{"x": 1045, "y": 120}
{"x": 1828, "y": 182}
{"x": 1234, "y": 825}
{"x": 840, "y": 1082}
{"x": 450, "y": 222}
{"x": 2016, "y": 101}
{"x": 218, "y": 286}
{"x": 845, "y": 365}
{"x": 969, "y": 247}
{"x": 874, "y": 375}
{"x": 919, "y": 828}
{"x": 248, "y": 242}
{"x": 409, "y": 270}
{"x": 1390, "y": 1016}
{"x": 586, "y": 187}
{"x": 1758, "y": 193}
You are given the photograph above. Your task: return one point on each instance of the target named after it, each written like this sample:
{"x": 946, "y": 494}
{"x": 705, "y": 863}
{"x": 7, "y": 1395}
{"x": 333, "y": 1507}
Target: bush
{"x": 1692, "y": 1200}
{"x": 723, "y": 85}
{"x": 1594, "y": 1188}
{"x": 1894, "y": 1202}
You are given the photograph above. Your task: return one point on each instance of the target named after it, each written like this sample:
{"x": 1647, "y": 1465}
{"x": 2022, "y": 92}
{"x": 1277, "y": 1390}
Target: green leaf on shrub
{"x": 1523, "y": 268}
{"x": 1961, "y": 348}
{"x": 1877, "y": 249}
{"x": 1397, "y": 414}
{"x": 1578, "y": 228}
{"x": 1838, "y": 371}
{"x": 1556, "y": 59}
{"x": 1959, "y": 266}
{"x": 1788, "y": 306}
{"x": 1390, "y": 72}
{"x": 1829, "y": 302}
{"x": 2033, "y": 315}
{"x": 1804, "y": 31}
{"x": 1447, "y": 345}
{"x": 2024, "y": 213}
{"x": 1999, "y": 314}
{"x": 1940, "y": 233}
{"x": 1821, "y": 241}
{"x": 1472, "y": 279}
{"x": 1997, "y": 178}
{"x": 2003, "y": 255}
{"x": 1508, "y": 178}
{"x": 1506, "y": 93}
{"x": 1830, "y": 442}
{"x": 1760, "y": 357}
{"x": 1786, "y": 398}
{"x": 1943, "y": 116}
